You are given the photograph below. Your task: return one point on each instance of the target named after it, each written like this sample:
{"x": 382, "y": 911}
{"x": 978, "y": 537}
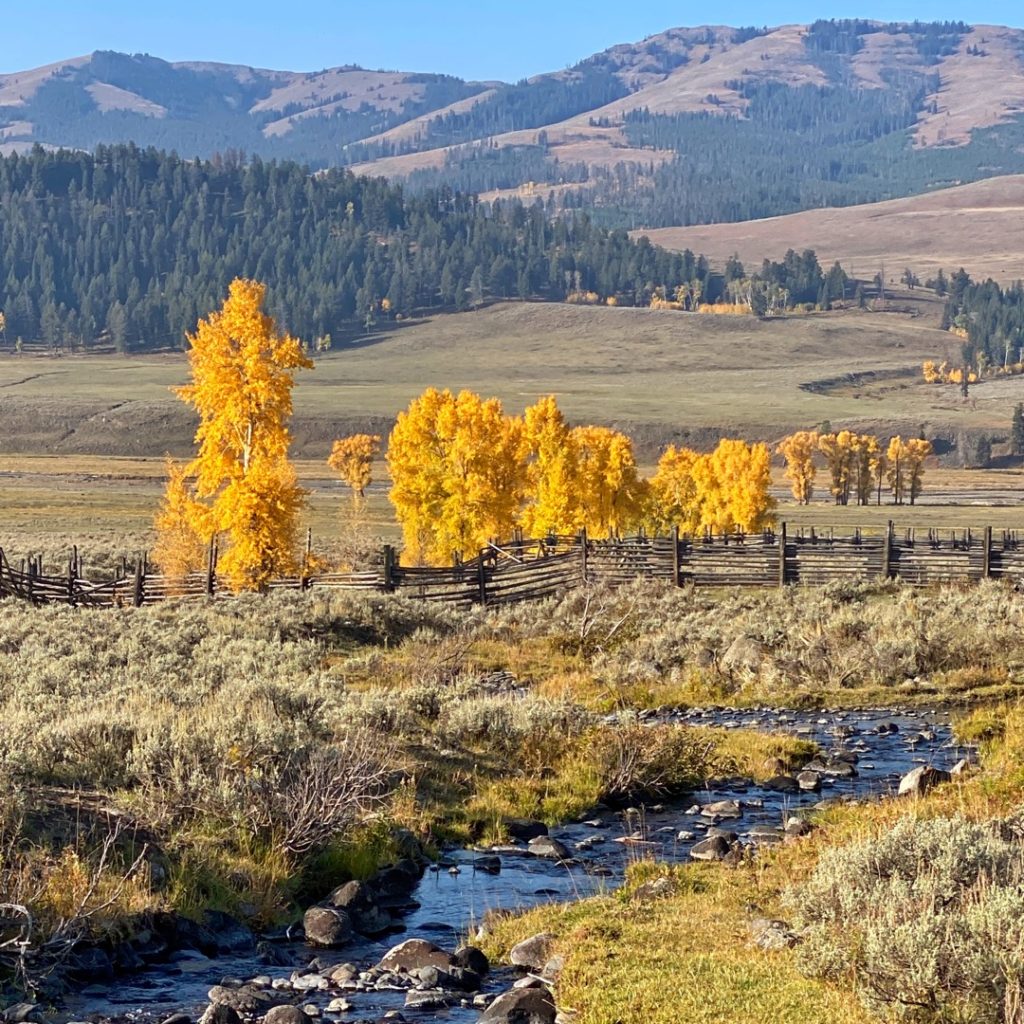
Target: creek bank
{"x": 460, "y": 894}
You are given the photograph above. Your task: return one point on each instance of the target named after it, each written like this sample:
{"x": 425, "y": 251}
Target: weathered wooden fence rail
{"x": 523, "y": 570}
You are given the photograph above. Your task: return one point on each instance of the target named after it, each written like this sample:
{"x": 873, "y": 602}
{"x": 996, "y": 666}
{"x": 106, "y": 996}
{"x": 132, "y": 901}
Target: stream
{"x": 453, "y": 897}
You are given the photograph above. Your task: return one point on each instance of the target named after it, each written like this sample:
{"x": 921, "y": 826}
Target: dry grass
{"x": 972, "y": 226}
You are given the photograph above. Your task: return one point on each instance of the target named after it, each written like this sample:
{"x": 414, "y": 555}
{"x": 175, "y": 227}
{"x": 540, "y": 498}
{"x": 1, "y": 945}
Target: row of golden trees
{"x": 463, "y": 472}
{"x": 857, "y": 466}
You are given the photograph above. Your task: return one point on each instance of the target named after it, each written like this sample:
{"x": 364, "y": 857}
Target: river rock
{"x": 525, "y": 829}
{"x": 285, "y": 1015}
{"x": 771, "y": 934}
{"x": 229, "y": 934}
{"x": 715, "y": 848}
{"x": 428, "y": 999}
{"x": 472, "y": 959}
{"x": 454, "y": 978}
{"x": 548, "y": 846}
{"x": 329, "y": 927}
{"x": 521, "y": 1006}
{"x": 338, "y": 1005}
{"x": 809, "y": 782}
{"x": 533, "y": 952}
{"x": 218, "y": 1013}
{"x": 359, "y": 901}
{"x": 244, "y": 998}
{"x": 21, "y": 1013}
{"x": 490, "y": 864}
{"x": 413, "y": 954}
{"x": 783, "y": 784}
{"x": 722, "y": 809}
{"x": 920, "y": 780}
{"x": 655, "y": 890}
{"x": 342, "y": 973}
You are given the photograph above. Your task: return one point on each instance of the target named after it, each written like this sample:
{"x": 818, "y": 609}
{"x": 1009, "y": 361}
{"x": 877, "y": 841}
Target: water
{"x": 451, "y": 905}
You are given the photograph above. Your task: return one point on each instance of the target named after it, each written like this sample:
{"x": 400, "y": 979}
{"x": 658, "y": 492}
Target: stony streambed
{"x": 866, "y": 753}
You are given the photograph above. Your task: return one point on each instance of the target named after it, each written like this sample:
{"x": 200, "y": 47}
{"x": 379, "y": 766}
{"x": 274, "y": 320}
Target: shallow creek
{"x": 451, "y": 904}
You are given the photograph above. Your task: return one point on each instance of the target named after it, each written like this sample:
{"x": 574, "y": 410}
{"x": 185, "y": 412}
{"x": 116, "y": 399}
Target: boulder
{"x": 771, "y": 934}
{"x": 245, "y": 998}
{"x": 783, "y": 784}
{"x": 533, "y": 952}
{"x": 715, "y": 848}
{"x": 546, "y": 846}
{"x": 428, "y": 999}
{"x": 359, "y": 901}
{"x": 329, "y": 927}
{"x": 229, "y": 934}
{"x": 472, "y": 959}
{"x": 920, "y": 780}
{"x": 656, "y": 890}
{"x": 218, "y": 1013}
{"x": 525, "y": 829}
{"x": 489, "y": 865}
{"x": 285, "y": 1015}
{"x": 745, "y": 654}
{"x": 722, "y": 809}
{"x": 521, "y": 1006}
{"x": 809, "y": 782}
{"x": 457, "y": 979}
{"x": 413, "y": 954}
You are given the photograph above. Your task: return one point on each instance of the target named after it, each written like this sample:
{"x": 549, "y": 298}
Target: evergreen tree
{"x": 1017, "y": 430}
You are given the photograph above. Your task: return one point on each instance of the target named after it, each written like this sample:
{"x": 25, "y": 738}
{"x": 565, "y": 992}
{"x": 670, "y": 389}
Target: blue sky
{"x": 482, "y": 39}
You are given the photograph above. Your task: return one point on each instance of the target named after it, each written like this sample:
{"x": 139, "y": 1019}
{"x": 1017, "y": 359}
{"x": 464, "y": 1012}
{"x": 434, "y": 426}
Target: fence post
{"x": 583, "y": 554}
{"x": 481, "y": 578}
{"x": 986, "y": 555}
{"x": 389, "y": 568}
{"x": 677, "y": 580}
{"x": 211, "y": 567}
{"x": 887, "y": 552}
{"x": 782, "y": 554}
{"x": 137, "y": 592}
{"x": 72, "y": 564}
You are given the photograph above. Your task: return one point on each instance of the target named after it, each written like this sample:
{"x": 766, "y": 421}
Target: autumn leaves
{"x": 857, "y": 466}
{"x": 465, "y": 473}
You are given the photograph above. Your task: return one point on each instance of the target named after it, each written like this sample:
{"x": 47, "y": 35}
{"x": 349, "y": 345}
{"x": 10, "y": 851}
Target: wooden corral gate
{"x": 522, "y": 569}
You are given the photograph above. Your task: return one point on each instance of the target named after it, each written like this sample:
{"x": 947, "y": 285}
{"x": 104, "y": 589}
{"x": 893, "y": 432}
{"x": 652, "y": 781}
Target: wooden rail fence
{"x": 522, "y": 569}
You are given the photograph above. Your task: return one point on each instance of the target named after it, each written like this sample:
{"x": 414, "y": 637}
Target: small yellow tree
{"x": 352, "y": 459}
{"x": 550, "y": 492}
{"x": 181, "y": 526}
{"x": 896, "y": 469}
{"x": 798, "y": 450}
{"x": 866, "y": 451}
{"x": 674, "y": 497}
{"x": 610, "y": 493}
{"x": 917, "y": 449}
{"x": 242, "y": 378}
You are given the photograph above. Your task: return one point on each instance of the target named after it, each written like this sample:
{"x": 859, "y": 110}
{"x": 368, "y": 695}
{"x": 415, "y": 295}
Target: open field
{"x": 975, "y": 226}
{"x": 662, "y": 375}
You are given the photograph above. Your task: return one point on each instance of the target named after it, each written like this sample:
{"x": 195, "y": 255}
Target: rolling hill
{"x": 979, "y": 227}
{"x": 691, "y": 126}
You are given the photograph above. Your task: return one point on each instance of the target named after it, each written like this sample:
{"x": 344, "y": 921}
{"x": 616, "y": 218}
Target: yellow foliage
{"x": 241, "y": 388}
{"x": 906, "y": 467}
{"x": 181, "y": 527}
{"x": 798, "y": 450}
{"x": 931, "y": 372}
{"x": 457, "y": 471}
{"x": 550, "y": 505}
{"x": 728, "y": 309}
{"x": 675, "y": 501}
{"x": 732, "y": 485}
{"x": 658, "y": 302}
{"x": 609, "y": 493}
{"x": 611, "y": 301}
{"x": 959, "y": 332}
{"x": 581, "y": 298}
{"x": 352, "y": 459}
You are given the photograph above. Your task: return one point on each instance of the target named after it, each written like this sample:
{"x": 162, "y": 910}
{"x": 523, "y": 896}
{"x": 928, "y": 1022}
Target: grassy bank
{"x": 900, "y": 911}
{"x": 246, "y": 755}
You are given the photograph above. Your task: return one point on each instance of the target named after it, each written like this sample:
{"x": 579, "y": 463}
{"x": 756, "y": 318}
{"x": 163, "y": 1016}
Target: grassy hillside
{"x": 973, "y": 226}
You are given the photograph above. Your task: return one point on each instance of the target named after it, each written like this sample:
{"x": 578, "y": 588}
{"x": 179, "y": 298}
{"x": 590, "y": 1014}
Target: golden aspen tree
{"x": 896, "y": 456}
{"x": 733, "y": 487}
{"x": 674, "y": 497}
{"x": 917, "y": 450}
{"x": 879, "y": 468}
{"x": 838, "y": 450}
{"x": 456, "y": 464}
{"x": 242, "y": 378}
{"x": 181, "y": 526}
{"x": 610, "y": 493}
{"x": 865, "y": 451}
{"x": 798, "y": 450}
{"x": 550, "y": 505}
{"x": 352, "y": 459}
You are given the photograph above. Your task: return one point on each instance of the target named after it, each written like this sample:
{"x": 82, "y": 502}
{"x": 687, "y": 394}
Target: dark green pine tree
{"x": 1017, "y": 430}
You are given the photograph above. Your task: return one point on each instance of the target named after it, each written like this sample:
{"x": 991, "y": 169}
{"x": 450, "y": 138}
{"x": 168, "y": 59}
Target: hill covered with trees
{"x": 690, "y": 126}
